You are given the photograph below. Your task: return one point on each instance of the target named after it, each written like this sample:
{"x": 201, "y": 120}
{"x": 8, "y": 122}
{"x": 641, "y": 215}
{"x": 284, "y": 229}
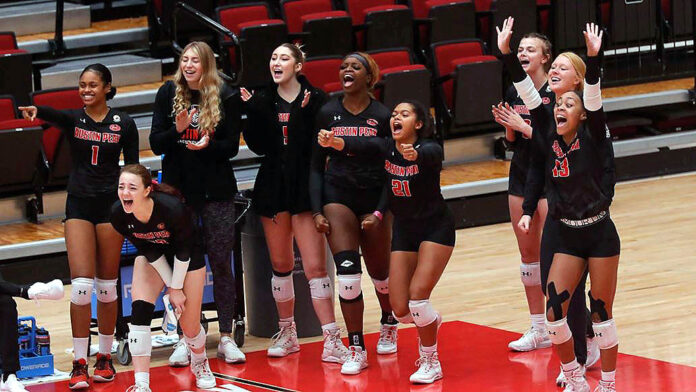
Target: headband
{"x": 360, "y": 58}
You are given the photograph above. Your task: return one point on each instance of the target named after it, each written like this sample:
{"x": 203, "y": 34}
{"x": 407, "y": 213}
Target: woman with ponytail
{"x": 97, "y": 135}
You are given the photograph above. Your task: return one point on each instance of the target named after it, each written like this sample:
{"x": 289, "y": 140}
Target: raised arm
{"x": 592, "y": 94}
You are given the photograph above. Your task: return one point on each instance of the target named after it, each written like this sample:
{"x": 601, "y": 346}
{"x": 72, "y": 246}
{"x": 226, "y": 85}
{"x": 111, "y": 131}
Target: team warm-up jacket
{"x": 95, "y": 147}
{"x": 201, "y": 175}
{"x": 579, "y": 176}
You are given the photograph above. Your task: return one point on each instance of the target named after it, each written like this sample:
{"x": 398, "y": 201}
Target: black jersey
{"x": 415, "y": 185}
{"x": 169, "y": 230}
{"x": 521, "y": 146}
{"x": 95, "y": 147}
{"x": 580, "y": 175}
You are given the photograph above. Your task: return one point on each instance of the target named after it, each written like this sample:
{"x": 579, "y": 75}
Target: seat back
{"x": 679, "y": 13}
{"x": 21, "y": 151}
{"x": 330, "y": 33}
{"x": 257, "y": 40}
{"x": 7, "y": 108}
{"x": 633, "y": 22}
{"x": 388, "y": 26}
{"x": 231, "y": 16}
{"x": 322, "y": 72}
{"x": 292, "y": 11}
{"x": 568, "y": 19}
{"x": 451, "y": 20}
{"x": 356, "y": 8}
{"x": 524, "y": 12}
{"x": 8, "y": 40}
{"x": 390, "y": 58}
{"x": 408, "y": 82}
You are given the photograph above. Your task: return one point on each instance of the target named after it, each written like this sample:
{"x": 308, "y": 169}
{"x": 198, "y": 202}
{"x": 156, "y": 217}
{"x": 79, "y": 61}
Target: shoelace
{"x": 388, "y": 334}
{"x": 354, "y": 356}
{"x": 426, "y": 359}
{"x": 79, "y": 370}
{"x": 607, "y": 386}
{"x": 200, "y": 369}
{"x": 282, "y": 334}
{"x": 102, "y": 362}
{"x": 138, "y": 388}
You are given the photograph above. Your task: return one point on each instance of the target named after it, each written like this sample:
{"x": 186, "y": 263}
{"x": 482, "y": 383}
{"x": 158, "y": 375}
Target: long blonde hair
{"x": 209, "y": 114}
{"x": 579, "y": 67}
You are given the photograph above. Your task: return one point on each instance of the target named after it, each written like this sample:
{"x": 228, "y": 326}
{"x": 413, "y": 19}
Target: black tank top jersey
{"x": 95, "y": 147}
{"x": 522, "y": 145}
{"x": 346, "y": 170}
{"x": 415, "y": 185}
{"x": 579, "y": 176}
{"x": 169, "y": 230}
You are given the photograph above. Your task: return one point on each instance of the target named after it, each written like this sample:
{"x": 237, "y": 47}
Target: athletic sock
{"x": 286, "y": 321}
{"x": 329, "y": 327}
{"x": 356, "y": 339}
{"x": 609, "y": 376}
{"x": 81, "y": 348}
{"x": 570, "y": 365}
{"x": 388, "y": 319}
{"x": 195, "y": 357}
{"x": 142, "y": 378}
{"x": 105, "y": 343}
{"x": 429, "y": 349}
{"x": 538, "y": 321}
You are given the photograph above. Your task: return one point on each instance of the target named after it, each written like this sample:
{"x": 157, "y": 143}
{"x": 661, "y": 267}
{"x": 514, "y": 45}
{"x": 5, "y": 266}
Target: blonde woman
{"x": 196, "y": 125}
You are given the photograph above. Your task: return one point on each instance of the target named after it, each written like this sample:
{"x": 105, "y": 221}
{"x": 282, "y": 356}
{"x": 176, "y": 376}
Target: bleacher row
{"x": 441, "y": 52}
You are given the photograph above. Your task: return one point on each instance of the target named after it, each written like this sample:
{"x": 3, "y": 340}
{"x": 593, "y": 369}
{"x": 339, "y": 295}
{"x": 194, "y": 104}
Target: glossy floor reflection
{"x": 474, "y": 358}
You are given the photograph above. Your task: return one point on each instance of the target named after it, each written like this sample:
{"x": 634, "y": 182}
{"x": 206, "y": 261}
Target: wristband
{"x": 378, "y": 215}
{"x": 179, "y": 274}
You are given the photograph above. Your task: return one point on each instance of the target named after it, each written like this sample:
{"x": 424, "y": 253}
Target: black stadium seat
{"x": 400, "y": 79}
{"x": 568, "y": 19}
{"x": 443, "y": 20}
{"x": 524, "y": 12}
{"x": 322, "y": 30}
{"x": 381, "y": 24}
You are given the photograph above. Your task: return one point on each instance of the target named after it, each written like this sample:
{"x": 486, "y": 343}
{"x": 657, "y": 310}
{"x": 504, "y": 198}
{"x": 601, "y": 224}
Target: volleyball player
{"x": 97, "y": 135}
{"x": 423, "y": 232}
{"x": 162, "y": 229}
{"x": 534, "y": 53}
{"x": 349, "y": 204}
{"x": 196, "y": 124}
{"x": 566, "y": 74}
{"x": 9, "y": 350}
{"x": 580, "y": 188}
{"x": 281, "y": 128}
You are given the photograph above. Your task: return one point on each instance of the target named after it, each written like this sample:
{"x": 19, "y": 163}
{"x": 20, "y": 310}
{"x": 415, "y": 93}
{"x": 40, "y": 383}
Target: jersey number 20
{"x": 561, "y": 169}
{"x": 400, "y": 188}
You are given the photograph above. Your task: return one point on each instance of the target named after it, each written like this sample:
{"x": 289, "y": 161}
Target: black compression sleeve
{"x": 593, "y": 70}
{"x": 430, "y": 154}
{"x": 61, "y": 118}
{"x": 512, "y": 64}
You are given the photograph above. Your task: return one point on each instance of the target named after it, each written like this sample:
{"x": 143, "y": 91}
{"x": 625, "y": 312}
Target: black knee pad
{"x": 555, "y": 301}
{"x": 142, "y": 312}
{"x": 347, "y": 263}
{"x": 598, "y": 307}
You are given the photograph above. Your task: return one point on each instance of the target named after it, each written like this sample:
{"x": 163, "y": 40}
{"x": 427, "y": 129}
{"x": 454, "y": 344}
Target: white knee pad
{"x": 81, "y": 292}
{"x": 530, "y": 273}
{"x": 349, "y": 286}
{"x": 559, "y": 332}
{"x": 283, "y": 288}
{"x": 139, "y": 342}
{"x": 197, "y": 341}
{"x": 407, "y": 319}
{"x": 382, "y": 286}
{"x": 605, "y": 334}
{"x": 422, "y": 312}
{"x": 106, "y": 290}
{"x": 320, "y": 288}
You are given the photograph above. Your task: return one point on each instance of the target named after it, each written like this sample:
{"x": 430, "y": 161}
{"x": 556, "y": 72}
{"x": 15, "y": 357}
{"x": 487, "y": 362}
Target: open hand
{"x": 593, "y": 39}
{"x": 184, "y": 119}
{"x": 505, "y": 34}
{"x": 199, "y": 145}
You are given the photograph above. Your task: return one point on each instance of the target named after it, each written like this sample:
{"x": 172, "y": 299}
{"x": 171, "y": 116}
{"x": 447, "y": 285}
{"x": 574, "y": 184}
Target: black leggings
{"x": 9, "y": 350}
{"x": 578, "y": 315}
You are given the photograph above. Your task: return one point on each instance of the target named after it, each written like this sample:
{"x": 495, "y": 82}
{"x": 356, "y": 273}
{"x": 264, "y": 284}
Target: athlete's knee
{"x": 599, "y": 309}
{"x": 320, "y": 288}
{"x": 282, "y": 286}
{"x": 559, "y": 332}
{"x": 419, "y": 290}
{"x": 139, "y": 342}
{"x": 605, "y": 334}
{"x": 314, "y": 271}
{"x": 555, "y": 308}
{"x": 106, "y": 290}
{"x": 530, "y": 274}
{"x": 349, "y": 273}
{"x": 81, "y": 291}
{"x": 422, "y": 312}
{"x": 400, "y": 309}
{"x": 381, "y": 286}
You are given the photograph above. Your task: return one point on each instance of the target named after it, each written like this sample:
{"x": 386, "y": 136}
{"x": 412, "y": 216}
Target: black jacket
{"x": 282, "y": 183}
{"x": 203, "y": 175}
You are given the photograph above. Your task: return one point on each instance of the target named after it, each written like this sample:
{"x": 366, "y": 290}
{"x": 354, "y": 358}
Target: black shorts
{"x": 407, "y": 234}
{"x": 599, "y": 239}
{"x": 96, "y": 209}
{"x": 360, "y": 201}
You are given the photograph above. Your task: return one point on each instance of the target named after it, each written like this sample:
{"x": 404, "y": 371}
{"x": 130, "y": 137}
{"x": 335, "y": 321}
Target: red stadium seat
{"x": 8, "y": 40}
{"x": 322, "y": 73}
{"x": 7, "y": 108}
{"x": 322, "y": 30}
{"x": 231, "y": 16}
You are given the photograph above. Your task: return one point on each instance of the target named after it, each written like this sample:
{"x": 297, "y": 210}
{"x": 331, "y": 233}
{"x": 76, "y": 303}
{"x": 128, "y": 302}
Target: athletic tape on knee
{"x": 106, "y": 290}
{"x": 163, "y": 269}
{"x": 406, "y": 319}
{"x": 382, "y": 286}
{"x": 347, "y": 263}
{"x": 81, "y": 292}
{"x": 605, "y": 334}
{"x": 598, "y": 307}
{"x": 422, "y": 312}
{"x": 139, "y": 342}
{"x": 555, "y": 301}
{"x": 349, "y": 287}
{"x": 198, "y": 341}
{"x": 283, "y": 288}
{"x": 179, "y": 272}
{"x": 559, "y": 332}
{"x": 320, "y": 288}
{"x": 530, "y": 273}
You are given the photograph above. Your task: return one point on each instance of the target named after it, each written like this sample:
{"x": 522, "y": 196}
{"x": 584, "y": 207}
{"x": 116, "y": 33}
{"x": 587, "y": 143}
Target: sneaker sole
{"x": 79, "y": 385}
{"x": 526, "y": 350}
{"x": 331, "y": 359}
{"x": 98, "y": 378}
{"x": 179, "y": 364}
{"x": 281, "y": 355}
{"x": 352, "y": 372}
{"x": 384, "y": 352}
{"x": 437, "y": 377}
{"x": 222, "y": 356}
{"x": 206, "y": 386}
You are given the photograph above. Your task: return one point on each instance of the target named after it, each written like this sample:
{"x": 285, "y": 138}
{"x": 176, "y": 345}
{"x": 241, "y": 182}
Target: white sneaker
{"x": 575, "y": 380}
{"x": 592, "y": 352}
{"x": 181, "y": 355}
{"x": 561, "y": 379}
{"x": 139, "y": 387}
{"x": 228, "y": 350}
{"x": 387, "y": 339}
{"x": 11, "y": 385}
{"x": 284, "y": 341}
{"x": 531, "y": 340}
{"x": 334, "y": 350}
{"x": 204, "y": 377}
{"x": 356, "y": 361}
{"x": 429, "y": 369}
{"x": 51, "y": 290}
{"x": 606, "y": 386}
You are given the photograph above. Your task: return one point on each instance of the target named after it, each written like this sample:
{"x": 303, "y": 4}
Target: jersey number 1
{"x": 400, "y": 188}
{"x": 95, "y": 155}
{"x": 285, "y": 135}
{"x": 561, "y": 169}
